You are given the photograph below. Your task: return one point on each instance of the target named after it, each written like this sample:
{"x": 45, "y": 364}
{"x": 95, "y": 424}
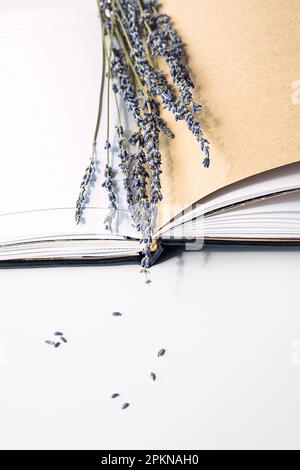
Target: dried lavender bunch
{"x": 135, "y": 35}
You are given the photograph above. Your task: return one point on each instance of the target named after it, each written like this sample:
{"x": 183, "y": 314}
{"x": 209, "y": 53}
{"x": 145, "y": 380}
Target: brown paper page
{"x": 245, "y": 57}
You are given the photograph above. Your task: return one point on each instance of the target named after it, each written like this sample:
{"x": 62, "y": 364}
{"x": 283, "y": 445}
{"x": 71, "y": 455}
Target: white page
{"x": 274, "y": 181}
{"x": 50, "y": 55}
{"x": 275, "y": 206}
{"x": 281, "y": 213}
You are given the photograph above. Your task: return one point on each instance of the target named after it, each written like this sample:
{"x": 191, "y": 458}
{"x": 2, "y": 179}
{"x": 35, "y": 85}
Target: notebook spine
{"x": 156, "y": 252}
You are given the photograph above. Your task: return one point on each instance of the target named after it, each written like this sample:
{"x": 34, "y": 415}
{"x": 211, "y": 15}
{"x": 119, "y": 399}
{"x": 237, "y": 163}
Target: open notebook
{"x": 245, "y": 57}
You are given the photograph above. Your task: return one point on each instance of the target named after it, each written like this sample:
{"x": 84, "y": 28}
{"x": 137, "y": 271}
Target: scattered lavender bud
{"x": 115, "y": 395}
{"x": 116, "y": 314}
{"x": 58, "y": 333}
{"x": 107, "y": 145}
{"x": 52, "y": 343}
{"x": 153, "y": 376}
{"x": 56, "y": 345}
{"x": 63, "y": 339}
{"x": 146, "y": 272}
{"x": 161, "y": 352}
{"x": 124, "y": 406}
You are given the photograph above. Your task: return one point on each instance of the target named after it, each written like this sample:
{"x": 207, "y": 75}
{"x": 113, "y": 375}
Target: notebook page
{"x": 245, "y": 61}
{"x": 281, "y": 179}
{"x": 50, "y": 83}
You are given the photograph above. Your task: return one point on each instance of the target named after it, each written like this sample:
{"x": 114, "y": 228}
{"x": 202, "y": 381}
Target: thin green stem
{"x": 123, "y": 45}
{"x": 140, "y": 5}
{"x": 108, "y": 83}
{"x": 131, "y": 48}
{"x": 108, "y": 59}
{"x": 108, "y": 119}
{"x": 129, "y": 61}
{"x": 123, "y": 12}
{"x": 100, "y": 106}
{"x": 116, "y": 15}
{"x": 101, "y": 96}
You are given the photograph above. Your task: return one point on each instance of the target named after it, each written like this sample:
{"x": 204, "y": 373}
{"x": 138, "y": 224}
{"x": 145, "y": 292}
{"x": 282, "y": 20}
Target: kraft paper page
{"x": 245, "y": 60}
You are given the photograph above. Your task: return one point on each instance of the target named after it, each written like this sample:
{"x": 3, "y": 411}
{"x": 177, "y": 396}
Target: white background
{"x": 229, "y": 320}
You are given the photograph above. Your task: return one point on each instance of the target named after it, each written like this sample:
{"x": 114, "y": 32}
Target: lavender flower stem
{"x": 100, "y": 107}
{"x": 124, "y": 48}
{"x": 141, "y": 8}
{"x": 108, "y": 59}
{"x": 123, "y": 12}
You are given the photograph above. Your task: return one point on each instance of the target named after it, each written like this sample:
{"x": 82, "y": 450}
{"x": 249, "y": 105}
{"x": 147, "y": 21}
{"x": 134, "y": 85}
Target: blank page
{"x": 50, "y": 82}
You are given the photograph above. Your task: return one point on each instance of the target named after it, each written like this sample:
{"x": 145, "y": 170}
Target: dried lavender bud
{"x": 115, "y": 395}
{"x": 122, "y": 75}
{"x": 124, "y": 406}
{"x": 206, "y": 163}
{"x": 63, "y": 339}
{"x": 84, "y": 187}
{"x": 164, "y": 128}
{"x": 116, "y": 314}
{"x": 161, "y": 352}
{"x": 52, "y": 343}
{"x": 125, "y": 164}
{"x": 146, "y": 273}
{"x": 56, "y": 345}
{"x": 107, "y": 145}
{"x": 108, "y": 184}
{"x": 58, "y": 333}
{"x": 153, "y": 376}
{"x": 205, "y": 147}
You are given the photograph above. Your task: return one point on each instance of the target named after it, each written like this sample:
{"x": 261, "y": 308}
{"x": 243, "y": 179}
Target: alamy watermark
{"x": 296, "y": 92}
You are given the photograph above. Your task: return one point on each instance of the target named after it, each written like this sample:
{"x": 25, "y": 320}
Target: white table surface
{"x": 230, "y": 323}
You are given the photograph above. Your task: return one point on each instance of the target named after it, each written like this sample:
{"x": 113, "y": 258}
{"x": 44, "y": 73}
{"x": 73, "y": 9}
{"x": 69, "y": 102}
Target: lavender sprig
{"x": 84, "y": 187}
{"x": 125, "y": 86}
{"x": 125, "y": 165}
